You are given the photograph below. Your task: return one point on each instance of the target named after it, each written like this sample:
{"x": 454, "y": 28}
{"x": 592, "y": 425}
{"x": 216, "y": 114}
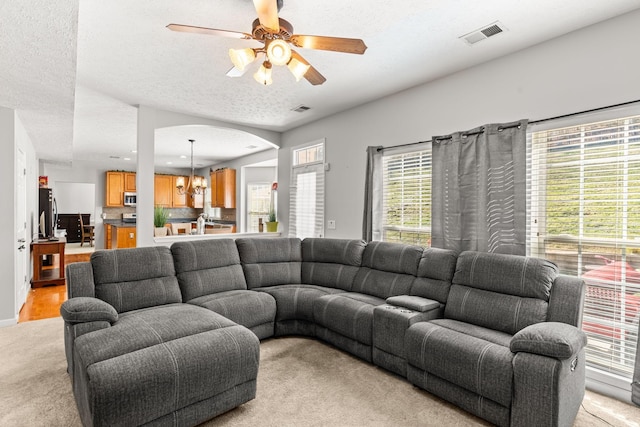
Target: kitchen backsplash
{"x": 116, "y": 213}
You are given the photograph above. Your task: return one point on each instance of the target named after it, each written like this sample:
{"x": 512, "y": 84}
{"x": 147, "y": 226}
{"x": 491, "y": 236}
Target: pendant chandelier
{"x": 196, "y": 185}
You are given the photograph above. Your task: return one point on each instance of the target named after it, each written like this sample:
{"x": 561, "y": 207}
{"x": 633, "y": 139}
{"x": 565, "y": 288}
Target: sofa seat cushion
{"x": 295, "y": 301}
{"x": 140, "y": 329}
{"x": 474, "y": 358}
{"x": 246, "y": 308}
{"x": 348, "y": 313}
{"x": 155, "y": 361}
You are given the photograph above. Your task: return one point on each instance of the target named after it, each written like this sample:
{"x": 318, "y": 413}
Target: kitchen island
{"x": 119, "y": 234}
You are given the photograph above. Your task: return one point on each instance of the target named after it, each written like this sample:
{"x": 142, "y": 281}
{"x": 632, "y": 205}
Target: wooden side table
{"x": 51, "y": 276}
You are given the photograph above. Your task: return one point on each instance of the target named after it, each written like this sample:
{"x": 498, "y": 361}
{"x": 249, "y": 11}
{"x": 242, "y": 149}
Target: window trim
{"x": 598, "y": 379}
{"x": 297, "y": 169}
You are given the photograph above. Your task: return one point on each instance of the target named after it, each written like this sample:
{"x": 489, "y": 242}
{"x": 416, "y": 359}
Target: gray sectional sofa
{"x": 159, "y": 336}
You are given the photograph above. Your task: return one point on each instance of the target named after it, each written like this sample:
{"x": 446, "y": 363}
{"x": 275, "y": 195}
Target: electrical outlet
{"x": 331, "y": 224}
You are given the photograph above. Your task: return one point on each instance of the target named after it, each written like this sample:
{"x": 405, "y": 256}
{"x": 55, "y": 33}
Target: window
{"x": 584, "y": 215}
{"x": 406, "y": 198}
{"x": 258, "y": 202}
{"x": 307, "y": 191}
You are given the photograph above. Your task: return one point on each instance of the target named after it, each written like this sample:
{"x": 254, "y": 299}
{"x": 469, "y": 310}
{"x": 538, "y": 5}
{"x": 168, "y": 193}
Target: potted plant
{"x": 272, "y": 223}
{"x": 160, "y": 216}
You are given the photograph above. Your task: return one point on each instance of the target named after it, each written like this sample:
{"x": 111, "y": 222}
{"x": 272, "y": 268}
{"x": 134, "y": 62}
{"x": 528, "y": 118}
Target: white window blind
{"x": 584, "y": 215}
{"x": 306, "y": 198}
{"x": 406, "y": 198}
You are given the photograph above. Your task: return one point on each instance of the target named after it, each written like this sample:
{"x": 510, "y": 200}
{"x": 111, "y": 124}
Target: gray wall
{"x": 586, "y": 69}
{"x": 14, "y": 136}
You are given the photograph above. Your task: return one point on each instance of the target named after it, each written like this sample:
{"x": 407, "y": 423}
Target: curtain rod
{"x": 563, "y": 116}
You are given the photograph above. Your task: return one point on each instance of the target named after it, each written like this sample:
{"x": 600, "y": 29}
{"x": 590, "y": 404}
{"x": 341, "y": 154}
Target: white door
{"x": 22, "y": 245}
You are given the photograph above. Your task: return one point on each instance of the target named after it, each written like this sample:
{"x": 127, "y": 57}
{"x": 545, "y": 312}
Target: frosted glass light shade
{"x": 278, "y": 52}
{"x": 242, "y": 57}
{"x": 297, "y": 68}
{"x": 263, "y": 75}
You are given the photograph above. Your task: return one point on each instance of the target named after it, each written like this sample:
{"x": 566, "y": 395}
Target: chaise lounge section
{"x": 138, "y": 355}
{"x": 497, "y": 335}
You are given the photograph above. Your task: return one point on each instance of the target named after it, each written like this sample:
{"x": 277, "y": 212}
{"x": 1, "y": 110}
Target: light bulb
{"x": 242, "y": 57}
{"x": 298, "y": 68}
{"x": 263, "y": 75}
{"x": 278, "y": 52}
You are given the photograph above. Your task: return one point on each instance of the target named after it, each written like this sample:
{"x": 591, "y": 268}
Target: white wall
{"x": 586, "y": 69}
{"x": 75, "y": 197}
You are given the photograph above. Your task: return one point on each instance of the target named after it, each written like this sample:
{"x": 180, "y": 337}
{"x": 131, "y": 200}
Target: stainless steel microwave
{"x": 129, "y": 199}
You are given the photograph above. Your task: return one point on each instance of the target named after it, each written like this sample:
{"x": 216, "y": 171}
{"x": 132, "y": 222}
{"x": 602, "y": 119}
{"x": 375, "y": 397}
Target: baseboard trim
{"x": 8, "y": 322}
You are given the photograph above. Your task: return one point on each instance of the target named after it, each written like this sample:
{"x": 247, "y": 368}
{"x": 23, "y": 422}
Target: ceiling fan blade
{"x": 268, "y": 14}
{"x": 336, "y": 44}
{"x": 312, "y": 75}
{"x": 234, "y": 72}
{"x": 208, "y": 31}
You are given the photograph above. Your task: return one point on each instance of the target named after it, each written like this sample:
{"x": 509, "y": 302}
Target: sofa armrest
{"x": 86, "y": 309}
{"x": 413, "y": 303}
{"x": 553, "y": 339}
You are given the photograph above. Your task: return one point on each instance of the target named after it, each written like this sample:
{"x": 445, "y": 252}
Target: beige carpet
{"x": 75, "y": 248}
{"x": 302, "y": 382}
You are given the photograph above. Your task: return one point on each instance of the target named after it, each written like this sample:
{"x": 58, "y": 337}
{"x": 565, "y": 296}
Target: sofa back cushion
{"x": 270, "y": 261}
{"x": 130, "y": 279}
{"x": 206, "y": 267}
{"x": 435, "y": 273}
{"x": 501, "y": 292}
{"x": 388, "y": 269}
{"x": 331, "y": 263}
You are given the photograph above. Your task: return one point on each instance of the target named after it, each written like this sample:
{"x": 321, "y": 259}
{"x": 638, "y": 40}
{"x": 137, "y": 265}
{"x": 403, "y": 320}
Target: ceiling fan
{"x": 277, "y": 35}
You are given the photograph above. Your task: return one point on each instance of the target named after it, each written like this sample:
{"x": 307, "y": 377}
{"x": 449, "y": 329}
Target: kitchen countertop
{"x": 168, "y": 240}
{"x": 119, "y": 223}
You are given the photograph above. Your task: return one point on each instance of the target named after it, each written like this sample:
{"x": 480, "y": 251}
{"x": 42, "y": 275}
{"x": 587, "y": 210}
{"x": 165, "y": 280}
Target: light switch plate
{"x": 331, "y": 224}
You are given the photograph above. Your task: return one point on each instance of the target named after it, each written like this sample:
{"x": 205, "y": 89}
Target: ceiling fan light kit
{"x": 297, "y": 68}
{"x": 242, "y": 57}
{"x": 277, "y": 36}
{"x": 278, "y": 52}
{"x": 263, "y": 75}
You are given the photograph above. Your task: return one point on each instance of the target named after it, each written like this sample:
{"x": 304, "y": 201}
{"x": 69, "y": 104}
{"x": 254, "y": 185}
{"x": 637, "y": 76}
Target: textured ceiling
{"x": 126, "y": 57}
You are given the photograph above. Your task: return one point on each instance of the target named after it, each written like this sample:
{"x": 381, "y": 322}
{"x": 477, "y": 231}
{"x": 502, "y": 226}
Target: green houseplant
{"x": 272, "y": 223}
{"x": 160, "y": 216}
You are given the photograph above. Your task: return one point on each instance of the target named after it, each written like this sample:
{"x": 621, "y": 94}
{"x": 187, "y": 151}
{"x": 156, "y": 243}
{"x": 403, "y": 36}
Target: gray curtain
{"x": 479, "y": 189}
{"x": 371, "y": 229}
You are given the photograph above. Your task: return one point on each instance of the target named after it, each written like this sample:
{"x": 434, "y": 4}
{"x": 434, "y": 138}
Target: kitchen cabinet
{"x": 107, "y": 236}
{"x": 223, "y": 188}
{"x": 163, "y": 190}
{"x": 130, "y": 182}
{"x": 179, "y": 200}
{"x": 123, "y": 236}
{"x": 115, "y": 189}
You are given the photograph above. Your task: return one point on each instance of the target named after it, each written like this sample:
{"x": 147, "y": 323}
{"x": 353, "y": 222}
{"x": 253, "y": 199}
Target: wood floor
{"x": 45, "y": 302}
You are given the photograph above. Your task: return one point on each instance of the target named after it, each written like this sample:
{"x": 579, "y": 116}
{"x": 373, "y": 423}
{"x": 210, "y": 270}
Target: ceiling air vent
{"x": 300, "y": 108}
{"x": 483, "y": 33}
